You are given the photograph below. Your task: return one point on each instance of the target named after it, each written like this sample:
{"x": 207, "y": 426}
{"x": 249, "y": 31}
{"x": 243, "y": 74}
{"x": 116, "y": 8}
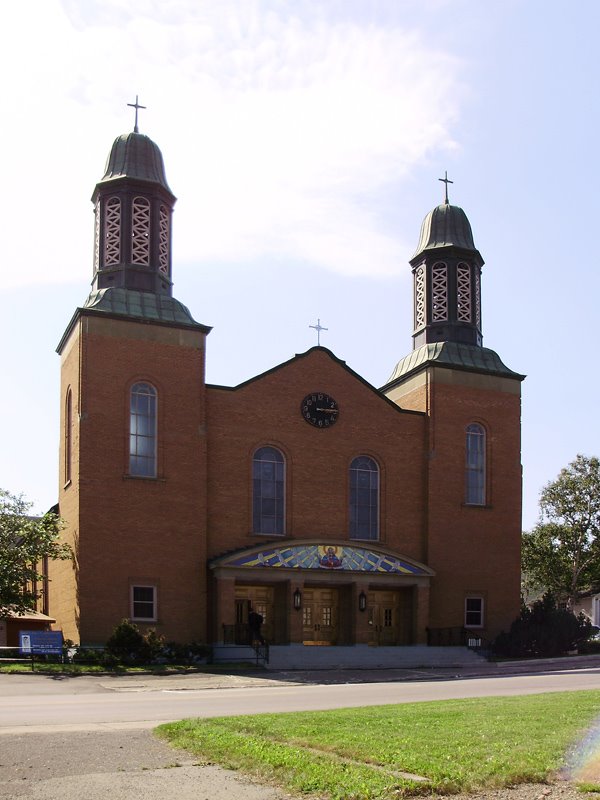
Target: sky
{"x": 304, "y": 140}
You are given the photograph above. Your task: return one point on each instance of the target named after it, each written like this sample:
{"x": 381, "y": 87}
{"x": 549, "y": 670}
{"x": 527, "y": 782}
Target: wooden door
{"x": 384, "y": 616}
{"x": 320, "y": 616}
{"x": 260, "y": 599}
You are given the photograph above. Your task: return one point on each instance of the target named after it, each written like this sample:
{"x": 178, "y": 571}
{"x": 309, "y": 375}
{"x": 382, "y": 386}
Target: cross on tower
{"x": 137, "y": 106}
{"x": 318, "y": 327}
{"x": 446, "y": 181}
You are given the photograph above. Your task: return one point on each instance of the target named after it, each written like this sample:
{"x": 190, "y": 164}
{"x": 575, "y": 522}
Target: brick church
{"x": 342, "y": 513}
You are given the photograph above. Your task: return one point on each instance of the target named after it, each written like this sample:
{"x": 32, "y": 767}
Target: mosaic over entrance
{"x": 326, "y": 557}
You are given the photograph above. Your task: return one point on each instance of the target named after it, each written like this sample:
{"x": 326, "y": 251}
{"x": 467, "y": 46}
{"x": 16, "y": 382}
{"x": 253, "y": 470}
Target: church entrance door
{"x": 260, "y": 599}
{"x": 320, "y": 616}
{"x": 388, "y": 618}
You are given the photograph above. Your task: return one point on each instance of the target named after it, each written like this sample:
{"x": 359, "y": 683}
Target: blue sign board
{"x": 40, "y": 643}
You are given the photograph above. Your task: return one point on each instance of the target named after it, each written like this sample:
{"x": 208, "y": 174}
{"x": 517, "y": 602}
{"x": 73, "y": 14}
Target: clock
{"x": 320, "y": 409}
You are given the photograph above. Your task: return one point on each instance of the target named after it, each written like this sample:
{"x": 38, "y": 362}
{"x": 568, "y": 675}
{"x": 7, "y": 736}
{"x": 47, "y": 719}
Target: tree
{"x": 562, "y": 553}
{"x": 543, "y": 631}
{"x": 25, "y": 541}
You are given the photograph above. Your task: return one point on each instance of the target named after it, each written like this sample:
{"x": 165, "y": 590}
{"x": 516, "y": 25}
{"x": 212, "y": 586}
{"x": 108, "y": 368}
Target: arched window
{"x": 464, "y": 305}
{"x": 268, "y": 491}
{"x": 420, "y": 297}
{"x": 475, "y": 465}
{"x": 163, "y": 241}
{"x": 364, "y": 499}
{"x": 112, "y": 231}
{"x": 140, "y": 231}
{"x": 439, "y": 292}
{"x": 68, "y": 433}
{"x": 142, "y": 430}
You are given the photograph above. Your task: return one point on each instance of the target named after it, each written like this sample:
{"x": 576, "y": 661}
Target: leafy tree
{"x": 544, "y": 631}
{"x": 24, "y": 542}
{"x": 562, "y": 553}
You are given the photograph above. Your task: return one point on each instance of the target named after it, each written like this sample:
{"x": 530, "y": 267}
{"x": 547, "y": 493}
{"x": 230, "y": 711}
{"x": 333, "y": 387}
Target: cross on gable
{"x": 318, "y": 327}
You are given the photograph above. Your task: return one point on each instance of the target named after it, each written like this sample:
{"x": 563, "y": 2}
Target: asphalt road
{"x": 33, "y": 703}
{"x": 90, "y": 737}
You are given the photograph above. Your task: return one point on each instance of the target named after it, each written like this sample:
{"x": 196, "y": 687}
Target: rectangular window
{"x": 143, "y": 603}
{"x": 473, "y": 612}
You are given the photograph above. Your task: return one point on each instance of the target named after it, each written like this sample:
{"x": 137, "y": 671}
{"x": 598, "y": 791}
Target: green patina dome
{"x": 136, "y": 157}
{"x": 446, "y": 226}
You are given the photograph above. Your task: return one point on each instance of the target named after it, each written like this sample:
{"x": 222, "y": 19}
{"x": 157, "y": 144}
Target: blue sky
{"x": 304, "y": 141}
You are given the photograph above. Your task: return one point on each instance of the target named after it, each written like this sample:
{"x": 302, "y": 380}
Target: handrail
{"x": 241, "y": 635}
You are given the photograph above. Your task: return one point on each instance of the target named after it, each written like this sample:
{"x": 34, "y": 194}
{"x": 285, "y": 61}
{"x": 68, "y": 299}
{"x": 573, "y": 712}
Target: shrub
{"x": 127, "y": 644}
{"x": 544, "y": 630}
{"x": 192, "y": 653}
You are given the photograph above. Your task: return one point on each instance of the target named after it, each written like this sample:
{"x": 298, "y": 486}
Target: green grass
{"x": 359, "y": 754}
{"x": 44, "y": 667}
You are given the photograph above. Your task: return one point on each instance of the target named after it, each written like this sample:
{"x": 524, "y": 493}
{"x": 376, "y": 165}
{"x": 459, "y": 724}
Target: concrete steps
{"x": 301, "y": 657}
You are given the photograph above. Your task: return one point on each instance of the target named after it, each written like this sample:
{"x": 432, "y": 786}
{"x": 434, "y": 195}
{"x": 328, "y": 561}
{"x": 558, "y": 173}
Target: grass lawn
{"x": 44, "y": 667}
{"x": 457, "y": 745}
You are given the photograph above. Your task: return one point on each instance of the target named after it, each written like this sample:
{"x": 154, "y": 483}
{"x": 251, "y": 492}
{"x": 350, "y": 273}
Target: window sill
{"x": 484, "y": 506}
{"x": 155, "y": 478}
{"x": 359, "y": 539}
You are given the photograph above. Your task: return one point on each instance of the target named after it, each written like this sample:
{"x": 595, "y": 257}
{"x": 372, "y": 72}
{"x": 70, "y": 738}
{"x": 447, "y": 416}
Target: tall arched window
{"x": 364, "y": 498}
{"x": 439, "y": 292}
{"x": 142, "y": 430}
{"x": 140, "y": 231}
{"x": 68, "y": 433}
{"x": 475, "y": 465}
{"x": 163, "y": 240}
{"x": 464, "y": 305}
{"x": 268, "y": 491}
{"x": 112, "y": 231}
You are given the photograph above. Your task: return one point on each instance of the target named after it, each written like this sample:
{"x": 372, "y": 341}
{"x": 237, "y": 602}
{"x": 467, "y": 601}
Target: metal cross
{"x": 136, "y": 105}
{"x": 446, "y": 181}
{"x": 318, "y": 327}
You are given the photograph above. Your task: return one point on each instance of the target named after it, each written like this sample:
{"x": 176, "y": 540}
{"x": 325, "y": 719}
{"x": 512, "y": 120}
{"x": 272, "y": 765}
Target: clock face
{"x": 320, "y": 409}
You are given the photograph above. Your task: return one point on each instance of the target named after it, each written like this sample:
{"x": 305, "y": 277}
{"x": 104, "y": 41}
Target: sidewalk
{"x": 201, "y": 680}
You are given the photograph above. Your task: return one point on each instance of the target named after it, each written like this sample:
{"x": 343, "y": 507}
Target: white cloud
{"x": 277, "y": 128}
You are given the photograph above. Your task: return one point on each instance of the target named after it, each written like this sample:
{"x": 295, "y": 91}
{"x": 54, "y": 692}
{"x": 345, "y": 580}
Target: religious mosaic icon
{"x": 320, "y": 409}
{"x": 328, "y": 558}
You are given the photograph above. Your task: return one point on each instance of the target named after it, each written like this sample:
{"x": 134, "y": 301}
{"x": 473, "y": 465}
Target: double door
{"x": 389, "y": 618}
{"x": 258, "y": 599}
{"x": 320, "y": 616}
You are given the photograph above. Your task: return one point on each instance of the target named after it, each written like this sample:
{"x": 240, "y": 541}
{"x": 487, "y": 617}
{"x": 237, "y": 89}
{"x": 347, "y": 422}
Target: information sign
{"x": 40, "y": 643}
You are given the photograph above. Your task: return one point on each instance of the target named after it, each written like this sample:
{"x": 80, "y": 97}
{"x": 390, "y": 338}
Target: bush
{"x": 88, "y": 655}
{"x": 128, "y": 645}
{"x": 544, "y": 630}
{"x": 192, "y": 653}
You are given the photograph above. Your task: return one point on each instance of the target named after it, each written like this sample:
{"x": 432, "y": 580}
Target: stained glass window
{"x": 364, "y": 499}
{"x": 268, "y": 491}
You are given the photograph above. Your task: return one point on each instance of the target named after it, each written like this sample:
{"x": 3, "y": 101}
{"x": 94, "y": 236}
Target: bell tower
{"x": 447, "y": 279}
{"x": 133, "y": 472}
{"x": 133, "y": 208}
{"x": 472, "y": 402}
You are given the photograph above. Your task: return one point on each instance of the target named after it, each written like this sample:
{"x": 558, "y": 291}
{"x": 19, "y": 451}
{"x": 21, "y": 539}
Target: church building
{"x": 343, "y": 514}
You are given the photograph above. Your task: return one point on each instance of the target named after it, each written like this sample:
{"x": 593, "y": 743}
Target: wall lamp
{"x": 297, "y": 599}
{"x": 362, "y": 602}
